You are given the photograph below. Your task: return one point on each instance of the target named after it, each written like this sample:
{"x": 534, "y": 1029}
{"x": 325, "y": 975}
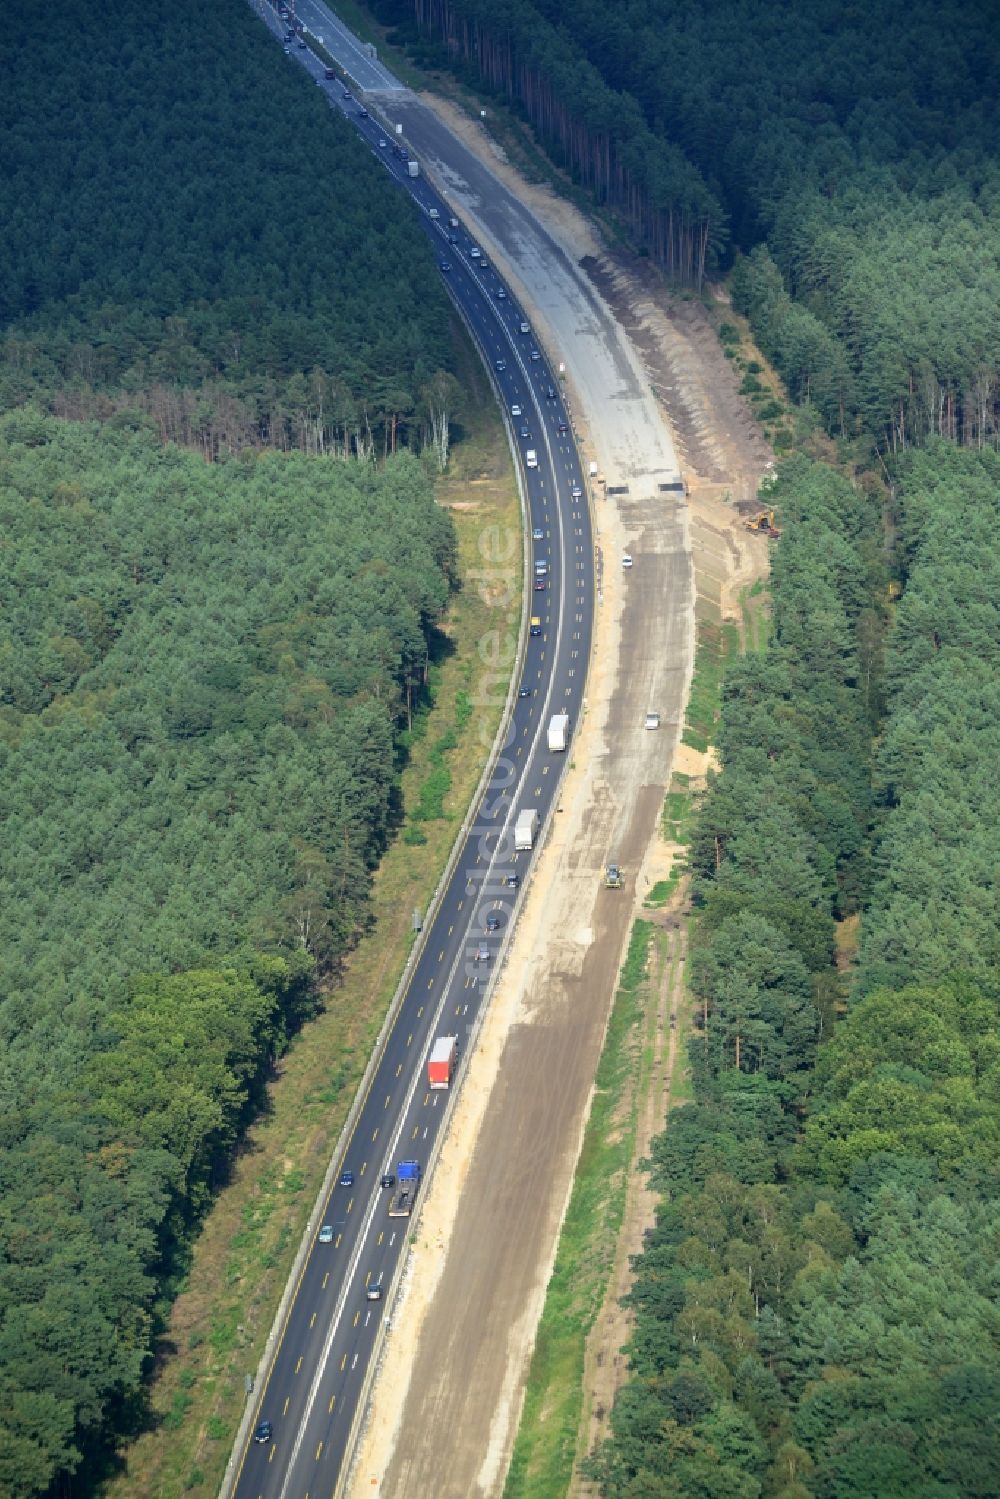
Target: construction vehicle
{"x": 762, "y": 524}
{"x": 612, "y": 877}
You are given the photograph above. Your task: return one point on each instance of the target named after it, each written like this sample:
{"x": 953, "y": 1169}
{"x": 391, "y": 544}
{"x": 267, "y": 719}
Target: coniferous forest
{"x": 222, "y": 339}
{"x": 222, "y": 569}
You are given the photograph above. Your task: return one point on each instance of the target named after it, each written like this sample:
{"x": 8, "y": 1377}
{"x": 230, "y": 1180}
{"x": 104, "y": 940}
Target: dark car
{"x": 453, "y": 239}
{"x": 388, "y": 1179}
{"x": 363, "y": 113}
{"x": 347, "y": 93}
{"x": 329, "y": 73}
{"x": 526, "y": 433}
{"x": 262, "y": 1432}
{"x": 446, "y": 265}
{"x": 512, "y": 881}
{"x": 501, "y": 366}
{"x": 302, "y": 43}
{"x": 493, "y": 923}
{"x": 525, "y": 691}
{"x": 563, "y": 428}
{"x": 537, "y": 534}
{"x": 539, "y": 585}
{"x": 347, "y": 1178}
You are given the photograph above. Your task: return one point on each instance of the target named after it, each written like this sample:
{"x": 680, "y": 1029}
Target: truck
{"x": 413, "y": 167}
{"x": 531, "y": 458}
{"x": 558, "y": 731}
{"x": 535, "y": 627}
{"x": 441, "y": 1062}
{"x": 407, "y": 1182}
{"x": 525, "y": 829}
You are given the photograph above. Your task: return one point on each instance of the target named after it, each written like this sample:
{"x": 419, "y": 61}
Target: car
{"x": 453, "y": 239}
{"x": 475, "y": 253}
{"x": 537, "y": 534}
{"x": 576, "y": 492}
{"x": 286, "y": 49}
{"x": 534, "y": 354}
{"x": 525, "y": 691}
{"x": 512, "y": 881}
{"x": 382, "y": 145}
{"x": 347, "y": 93}
{"x": 482, "y": 953}
{"x": 262, "y": 1432}
{"x": 515, "y": 410}
{"x": 526, "y": 434}
{"x": 563, "y": 428}
{"x": 501, "y": 294}
{"x": 302, "y": 43}
{"x": 626, "y": 559}
{"x": 446, "y": 265}
{"x": 539, "y": 585}
{"x": 550, "y": 394}
{"x": 388, "y": 1179}
{"x": 652, "y": 721}
{"x": 363, "y": 113}
{"x": 373, "y": 1293}
{"x": 329, "y": 73}
{"x": 453, "y": 223}
{"x": 326, "y": 1234}
{"x": 493, "y": 923}
{"x": 525, "y": 327}
{"x": 347, "y": 1178}
{"x": 501, "y": 365}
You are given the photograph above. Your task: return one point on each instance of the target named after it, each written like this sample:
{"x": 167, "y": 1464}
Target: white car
{"x": 627, "y": 560}
{"x": 652, "y": 721}
{"x": 515, "y": 410}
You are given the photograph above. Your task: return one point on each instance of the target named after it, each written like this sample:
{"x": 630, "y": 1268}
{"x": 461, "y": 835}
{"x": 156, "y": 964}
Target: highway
{"x": 311, "y": 1391}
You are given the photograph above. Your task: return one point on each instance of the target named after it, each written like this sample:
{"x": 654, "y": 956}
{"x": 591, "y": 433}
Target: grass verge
{"x": 220, "y": 1320}
{"x": 553, "y": 1404}
{"x": 718, "y": 644}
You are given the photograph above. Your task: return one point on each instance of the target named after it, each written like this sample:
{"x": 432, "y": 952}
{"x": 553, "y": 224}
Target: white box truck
{"x": 558, "y": 731}
{"x": 531, "y": 458}
{"x": 525, "y": 829}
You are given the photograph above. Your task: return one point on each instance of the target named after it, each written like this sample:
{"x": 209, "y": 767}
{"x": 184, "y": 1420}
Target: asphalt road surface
{"x": 311, "y": 1390}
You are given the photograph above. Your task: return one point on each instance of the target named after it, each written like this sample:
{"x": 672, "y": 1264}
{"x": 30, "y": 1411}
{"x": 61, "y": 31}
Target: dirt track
{"x": 453, "y": 1373}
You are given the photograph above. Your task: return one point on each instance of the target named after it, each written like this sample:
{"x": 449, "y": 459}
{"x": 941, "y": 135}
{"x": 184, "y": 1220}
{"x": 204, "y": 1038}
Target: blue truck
{"x": 407, "y": 1182}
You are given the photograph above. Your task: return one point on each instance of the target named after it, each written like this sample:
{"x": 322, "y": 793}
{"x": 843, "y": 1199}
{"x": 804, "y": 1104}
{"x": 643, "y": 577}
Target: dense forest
{"x": 194, "y": 240}
{"x": 816, "y": 1306}
{"x": 848, "y": 152}
{"x": 202, "y": 669}
{"x": 205, "y": 666}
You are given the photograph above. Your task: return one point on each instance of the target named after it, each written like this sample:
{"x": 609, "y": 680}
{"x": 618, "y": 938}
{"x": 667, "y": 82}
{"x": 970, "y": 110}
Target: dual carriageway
{"x": 315, "y": 1379}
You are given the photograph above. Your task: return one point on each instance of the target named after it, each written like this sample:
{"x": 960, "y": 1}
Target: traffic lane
{"x": 488, "y": 317}
{"x": 341, "y": 1205}
{"x": 346, "y": 1354}
{"x": 345, "y": 47}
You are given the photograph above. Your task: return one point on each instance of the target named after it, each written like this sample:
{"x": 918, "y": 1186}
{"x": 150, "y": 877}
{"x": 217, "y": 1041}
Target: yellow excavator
{"x": 762, "y": 524}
